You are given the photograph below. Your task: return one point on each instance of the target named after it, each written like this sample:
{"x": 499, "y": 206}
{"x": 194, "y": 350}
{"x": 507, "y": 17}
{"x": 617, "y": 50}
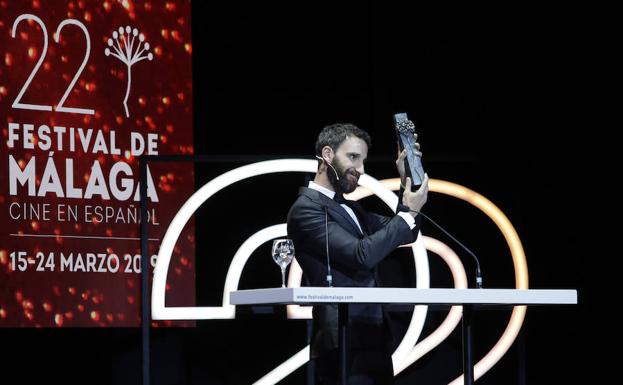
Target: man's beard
{"x": 347, "y": 183}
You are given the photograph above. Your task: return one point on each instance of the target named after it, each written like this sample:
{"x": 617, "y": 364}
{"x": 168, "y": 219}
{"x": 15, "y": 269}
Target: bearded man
{"x": 322, "y": 222}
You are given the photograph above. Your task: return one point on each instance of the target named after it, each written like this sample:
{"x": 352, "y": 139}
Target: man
{"x": 356, "y": 241}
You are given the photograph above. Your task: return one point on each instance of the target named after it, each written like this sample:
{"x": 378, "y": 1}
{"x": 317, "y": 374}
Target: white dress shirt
{"x": 323, "y": 190}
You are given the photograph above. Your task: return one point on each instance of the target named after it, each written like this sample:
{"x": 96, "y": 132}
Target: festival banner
{"x": 86, "y": 88}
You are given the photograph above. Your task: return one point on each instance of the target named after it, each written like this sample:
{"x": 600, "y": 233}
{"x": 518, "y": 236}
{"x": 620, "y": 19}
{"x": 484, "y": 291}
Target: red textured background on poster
{"x": 86, "y": 87}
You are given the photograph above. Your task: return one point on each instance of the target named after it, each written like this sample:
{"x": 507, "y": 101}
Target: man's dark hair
{"x": 334, "y": 134}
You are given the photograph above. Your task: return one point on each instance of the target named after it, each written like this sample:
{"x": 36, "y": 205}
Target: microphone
{"x": 335, "y": 172}
{"x": 478, "y": 272}
{"x": 326, "y": 229}
{"x": 326, "y": 233}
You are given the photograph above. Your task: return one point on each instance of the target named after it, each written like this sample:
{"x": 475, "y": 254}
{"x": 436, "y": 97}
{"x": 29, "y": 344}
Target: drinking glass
{"x": 283, "y": 252}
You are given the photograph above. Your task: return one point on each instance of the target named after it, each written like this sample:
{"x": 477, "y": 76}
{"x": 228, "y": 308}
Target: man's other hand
{"x": 415, "y": 200}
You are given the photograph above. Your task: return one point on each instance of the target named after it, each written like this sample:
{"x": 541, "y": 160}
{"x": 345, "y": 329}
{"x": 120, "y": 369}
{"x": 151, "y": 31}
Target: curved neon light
{"x": 454, "y": 315}
{"x": 158, "y": 308}
{"x": 519, "y": 263}
{"x": 400, "y": 360}
{"x": 160, "y": 311}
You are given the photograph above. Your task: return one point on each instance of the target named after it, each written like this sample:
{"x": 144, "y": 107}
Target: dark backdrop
{"x": 493, "y": 90}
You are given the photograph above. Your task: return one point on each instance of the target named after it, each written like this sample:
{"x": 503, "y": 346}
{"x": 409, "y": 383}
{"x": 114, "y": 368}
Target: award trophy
{"x": 405, "y": 129}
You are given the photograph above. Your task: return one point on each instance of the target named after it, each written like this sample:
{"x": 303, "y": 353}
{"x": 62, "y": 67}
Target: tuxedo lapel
{"x": 334, "y": 209}
{"x": 361, "y": 216}
{"x": 344, "y": 216}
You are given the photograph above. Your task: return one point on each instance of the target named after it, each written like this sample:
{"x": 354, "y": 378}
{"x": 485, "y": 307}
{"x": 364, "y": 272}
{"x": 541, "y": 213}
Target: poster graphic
{"x": 86, "y": 88}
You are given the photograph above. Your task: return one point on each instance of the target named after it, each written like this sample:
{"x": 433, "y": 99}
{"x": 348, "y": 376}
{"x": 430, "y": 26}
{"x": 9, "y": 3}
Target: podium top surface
{"x": 316, "y": 295}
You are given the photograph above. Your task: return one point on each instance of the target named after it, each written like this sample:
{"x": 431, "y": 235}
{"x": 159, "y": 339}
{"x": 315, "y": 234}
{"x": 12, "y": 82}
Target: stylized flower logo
{"x": 122, "y": 46}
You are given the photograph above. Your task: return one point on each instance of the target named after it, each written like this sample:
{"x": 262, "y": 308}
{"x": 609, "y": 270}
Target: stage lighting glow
{"x": 519, "y": 263}
{"x": 406, "y": 353}
{"x": 227, "y": 311}
{"x": 454, "y": 315}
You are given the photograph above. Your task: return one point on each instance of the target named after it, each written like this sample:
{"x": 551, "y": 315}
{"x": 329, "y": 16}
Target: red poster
{"x": 86, "y": 87}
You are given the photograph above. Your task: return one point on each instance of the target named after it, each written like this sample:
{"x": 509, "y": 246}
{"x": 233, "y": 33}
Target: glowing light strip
{"x": 158, "y": 308}
{"x": 454, "y": 315}
{"x": 226, "y": 311}
{"x": 160, "y": 311}
{"x": 416, "y": 352}
{"x": 380, "y": 188}
{"x": 283, "y": 370}
{"x": 242, "y": 256}
{"x": 422, "y": 271}
{"x": 519, "y": 263}
{"x": 419, "y": 311}
{"x": 498, "y": 217}
{"x": 501, "y": 347}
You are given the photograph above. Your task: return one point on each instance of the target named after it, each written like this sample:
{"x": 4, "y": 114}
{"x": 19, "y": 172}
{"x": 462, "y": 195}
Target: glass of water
{"x": 283, "y": 252}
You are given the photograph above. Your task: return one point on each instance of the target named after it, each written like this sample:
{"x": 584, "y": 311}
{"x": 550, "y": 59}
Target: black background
{"x": 495, "y": 90}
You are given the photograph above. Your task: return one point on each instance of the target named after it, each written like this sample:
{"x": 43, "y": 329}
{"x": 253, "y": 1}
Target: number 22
{"x": 61, "y": 108}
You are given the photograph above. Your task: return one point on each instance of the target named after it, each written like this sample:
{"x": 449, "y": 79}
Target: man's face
{"x": 349, "y": 164}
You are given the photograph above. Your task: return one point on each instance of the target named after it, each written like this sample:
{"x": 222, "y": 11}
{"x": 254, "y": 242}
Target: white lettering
{"x": 16, "y": 174}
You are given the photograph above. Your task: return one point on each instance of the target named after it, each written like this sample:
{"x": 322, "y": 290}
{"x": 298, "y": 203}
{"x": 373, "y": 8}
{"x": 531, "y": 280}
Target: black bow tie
{"x": 339, "y": 198}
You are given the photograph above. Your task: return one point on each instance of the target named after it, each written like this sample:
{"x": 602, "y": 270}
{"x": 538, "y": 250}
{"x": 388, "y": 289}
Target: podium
{"x": 343, "y": 296}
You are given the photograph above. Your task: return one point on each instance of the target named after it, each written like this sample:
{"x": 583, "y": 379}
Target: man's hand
{"x": 415, "y": 199}
{"x": 400, "y": 161}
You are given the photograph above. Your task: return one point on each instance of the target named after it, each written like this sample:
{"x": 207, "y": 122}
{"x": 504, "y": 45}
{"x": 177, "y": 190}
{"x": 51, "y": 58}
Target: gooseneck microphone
{"x": 478, "y": 273}
{"x": 326, "y": 234}
{"x": 326, "y": 223}
{"x": 332, "y": 168}
{"x": 326, "y": 230}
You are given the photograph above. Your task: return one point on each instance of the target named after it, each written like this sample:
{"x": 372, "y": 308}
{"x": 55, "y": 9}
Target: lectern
{"x": 343, "y": 296}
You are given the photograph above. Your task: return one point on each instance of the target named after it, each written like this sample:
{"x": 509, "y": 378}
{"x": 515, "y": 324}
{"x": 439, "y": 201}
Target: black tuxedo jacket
{"x": 354, "y": 256}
